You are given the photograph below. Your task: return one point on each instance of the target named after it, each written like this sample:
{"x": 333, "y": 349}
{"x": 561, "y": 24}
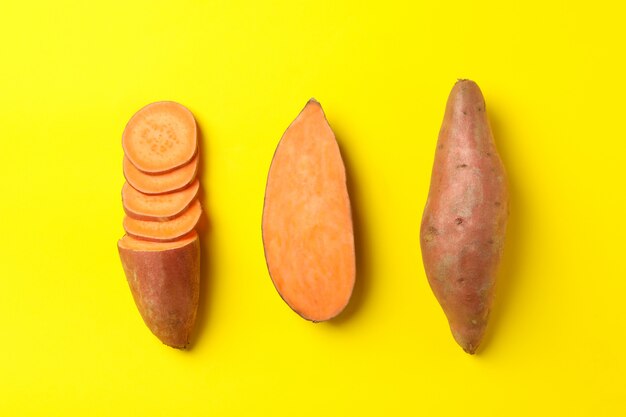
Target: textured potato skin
{"x": 165, "y": 286}
{"x": 464, "y": 221}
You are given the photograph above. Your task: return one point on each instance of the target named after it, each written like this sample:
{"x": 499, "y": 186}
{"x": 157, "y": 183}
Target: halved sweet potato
{"x": 165, "y": 230}
{"x": 157, "y": 207}
{"x": 307, "y": 222}
{"x": 160, "y": 183}
{"x": 160, "y": 137}
{"x": 164, "y": 278}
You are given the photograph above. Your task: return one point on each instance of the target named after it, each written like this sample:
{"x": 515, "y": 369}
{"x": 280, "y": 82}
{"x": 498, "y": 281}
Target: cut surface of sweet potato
{"x": 165, "y": 230}
{"x": 157, "y": 207}
{"x": 307, "y": 222}
{"x": 164, "y": 278}
{"x": 160, "y": 137}
{"x": 160, "y": 183}
{"x": 132, "y": 243}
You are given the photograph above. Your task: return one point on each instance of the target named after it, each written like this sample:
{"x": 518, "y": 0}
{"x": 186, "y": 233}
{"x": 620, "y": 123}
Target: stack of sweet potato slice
{"x": 160, "y": 252}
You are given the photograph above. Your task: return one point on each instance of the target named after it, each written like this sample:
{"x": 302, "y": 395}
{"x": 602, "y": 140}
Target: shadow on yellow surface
{"x": 204, "y": 229}
{"x": 361, "y": 243}
{"x": 516, "y": 237}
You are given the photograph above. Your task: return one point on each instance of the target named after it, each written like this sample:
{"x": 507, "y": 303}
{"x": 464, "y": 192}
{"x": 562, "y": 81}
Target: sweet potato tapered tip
{"x": 469, "y": 348}
{"x": 464, "y": 221}
{"x": 307, "y": 224}
{"x": 164, "y": 279}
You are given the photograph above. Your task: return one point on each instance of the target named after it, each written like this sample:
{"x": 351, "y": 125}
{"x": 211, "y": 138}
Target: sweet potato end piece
{"x": 164, "y": 283}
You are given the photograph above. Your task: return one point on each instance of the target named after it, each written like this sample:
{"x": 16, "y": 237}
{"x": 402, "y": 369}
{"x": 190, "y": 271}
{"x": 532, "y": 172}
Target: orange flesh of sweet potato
{"x": 165, "y": 230}
{"x": 307, "y": 223}
{"x": 164, "y": 279}
{"x": 161, "y": 183}
{"x": 160, "y": 137}
{"x": 464, "y": 222}
{"x": 158, "y": 207}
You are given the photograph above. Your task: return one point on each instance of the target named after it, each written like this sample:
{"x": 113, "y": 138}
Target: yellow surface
{"x": 72, "y": 74}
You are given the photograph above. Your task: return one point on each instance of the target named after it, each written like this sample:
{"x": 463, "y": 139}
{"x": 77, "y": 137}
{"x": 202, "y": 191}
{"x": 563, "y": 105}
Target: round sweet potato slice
{"x": 161, "y": 183}
{"x": 158, "y": 207}
{"x": 165, "y": 230}
{"x": 160, "y": 137}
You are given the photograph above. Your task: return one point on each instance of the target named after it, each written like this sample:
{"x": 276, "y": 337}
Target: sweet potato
{"x": 164, "y": 279}
{"x": 159, "y": 207}
{"x": 160, "y": 253}
{"x": 165, "y": 230}
{"x": 160, "y": 137}
{"x": 161, "y": 183}
{"x": 307, "y": 223}
{"x": 464, "y": 221}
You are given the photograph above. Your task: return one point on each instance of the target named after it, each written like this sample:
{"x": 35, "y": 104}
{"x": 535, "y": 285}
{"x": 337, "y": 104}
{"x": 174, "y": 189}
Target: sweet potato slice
{"x": 160, "y": 137}
{"x": 307, "y": 222}
{"x": 464, "y": 221}
{"x": 161, "y": 183}
{"x": 165, "y": 230}
{"x": 158, "y": 207}
{"x": 164, "y": 278}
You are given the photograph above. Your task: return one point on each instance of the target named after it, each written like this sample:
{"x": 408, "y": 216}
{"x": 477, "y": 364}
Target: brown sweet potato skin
{"x": 464, "y": 221}
{"x": 165, "y": 286}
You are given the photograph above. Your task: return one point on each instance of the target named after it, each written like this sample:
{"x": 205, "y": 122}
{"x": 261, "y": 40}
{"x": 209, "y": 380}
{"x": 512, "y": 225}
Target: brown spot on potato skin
{"x": 461, "y": 264}
{"x": 430, "y": 234}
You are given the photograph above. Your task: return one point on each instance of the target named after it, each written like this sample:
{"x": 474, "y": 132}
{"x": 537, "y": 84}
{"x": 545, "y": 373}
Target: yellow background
{"x": 72, "y": 74}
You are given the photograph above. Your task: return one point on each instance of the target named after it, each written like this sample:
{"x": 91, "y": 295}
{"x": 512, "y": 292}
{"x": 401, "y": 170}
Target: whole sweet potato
{"x": 464, "y": 221}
